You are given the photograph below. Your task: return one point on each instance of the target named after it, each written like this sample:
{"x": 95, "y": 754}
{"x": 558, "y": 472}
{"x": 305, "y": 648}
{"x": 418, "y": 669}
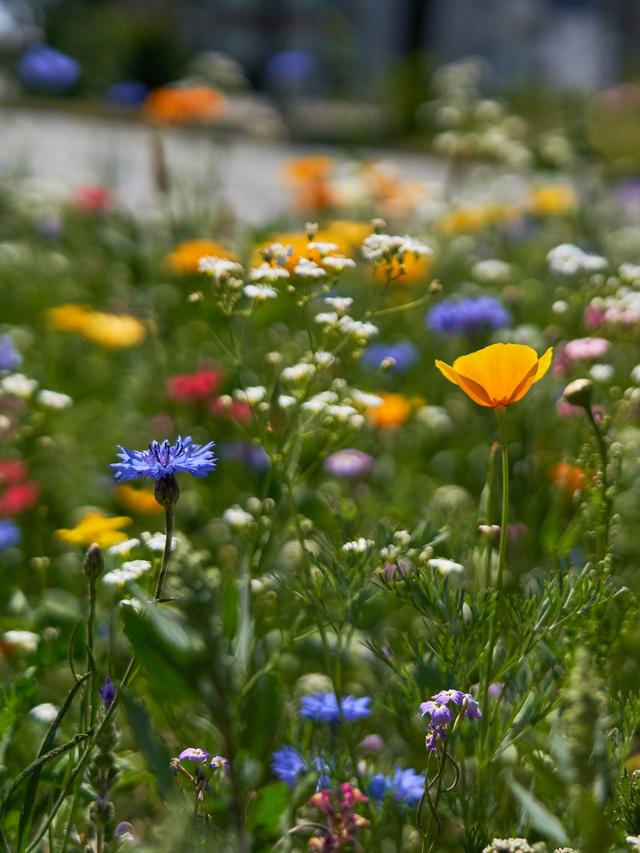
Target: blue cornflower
{"x": 406, "y": 786}
{"x": 162, "y": 460}
{"x": 108, "y": 692}
{"x": 467, "y": 316}
{"x": 10, "y": 358}
{"x": 323, "y": 708}
{"x": 397, "y": 357}
{"x": 10, "y": 534}
{"x": 288, "y": 764}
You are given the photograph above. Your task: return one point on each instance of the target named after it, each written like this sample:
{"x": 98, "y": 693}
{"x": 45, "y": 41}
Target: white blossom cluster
{"x": 19, "y": 385}
{"x": 567, "y": 259}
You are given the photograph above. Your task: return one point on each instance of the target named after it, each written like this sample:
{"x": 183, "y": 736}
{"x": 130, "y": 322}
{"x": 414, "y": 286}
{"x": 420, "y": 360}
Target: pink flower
{"x": 586, "y": 348}
{"x": 594, "y": 317}
{"x": 92, "y": 198}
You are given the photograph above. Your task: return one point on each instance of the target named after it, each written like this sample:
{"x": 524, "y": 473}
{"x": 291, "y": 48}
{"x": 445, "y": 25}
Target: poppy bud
{"x": 579, "y": 393}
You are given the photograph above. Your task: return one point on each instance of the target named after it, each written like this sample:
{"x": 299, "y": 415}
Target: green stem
{"x": 504, "y": 521}
{"x": 169, "y": 519}
{"x": 604, "y": 464}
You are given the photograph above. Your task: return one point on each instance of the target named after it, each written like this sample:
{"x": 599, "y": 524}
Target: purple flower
{"x": 10, "y": 534}
{"x": 124, "y": 831}
{"x": 495, "y": 690}
{"x": 44, "y": 69}
{"x": 162, "y": 460}
{"x": 440, "y": 713}
{"x": 250, "y": 455}
{"x": 435, "y": 737}
{"x": 406, "y": 786}
{"x": 350, "y": 463}
{"x": 288, "y": 765}
{"x": 108, "y": 692}
{"x": 446, "y": 696}
{"x": 196, "y": 754}
{"x": 323, "y": 708}
{"x": 471, "y": 708}
{"x": 10, "y": 358}
{"x": 322, "y": 769}
{"x": 219, "y": 761}
{"x": 398, "y": 357}
{"x": 467, "y": 316}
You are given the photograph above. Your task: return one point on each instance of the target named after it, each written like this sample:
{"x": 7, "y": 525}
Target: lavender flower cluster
{"x": 439, "y": 709}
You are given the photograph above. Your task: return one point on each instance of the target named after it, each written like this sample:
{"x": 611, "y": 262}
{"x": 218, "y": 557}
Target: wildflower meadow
{"x": 322, "y": 534}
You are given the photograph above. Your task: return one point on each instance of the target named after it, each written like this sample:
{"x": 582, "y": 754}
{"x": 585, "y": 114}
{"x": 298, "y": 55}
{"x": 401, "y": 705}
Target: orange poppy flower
{"x": 569, "y": 478}
{"x": 498, "y": 375}
{"x": 177, "y": 104}
{"x": 394, "y": 411}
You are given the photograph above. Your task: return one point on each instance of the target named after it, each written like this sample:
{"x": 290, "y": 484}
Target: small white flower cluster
{"x": 358, "y": 546}
{"x": 398, "y": 548}
{"x": 19, "y": 385}
{"x": 309, "y": 269}
{"x": 384, "y": 248}
{"x": 129, "y": 571}
{"x": 509, "y": 845}
{"x": 567, "y": 259}
{"x": 237, "y": 517}
{"x": 228, "y": 277}
{"x": 267, "y": 273}
{"x": 240, "y": 518}
{"x": 26, "y": 641}
{"x": 445, "y": 567}
{"x": 491, "y": 270}
{"x": 260, "y": 292}
{"x": 252, "y": 395}
{"x": 359, "y": 331}
{"x": 622, "y": 308}
{"x": 630, "y": 273}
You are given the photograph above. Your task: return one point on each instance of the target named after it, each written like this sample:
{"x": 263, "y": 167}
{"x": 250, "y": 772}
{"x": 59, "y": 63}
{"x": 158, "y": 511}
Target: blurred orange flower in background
{"x": 178, "y": 104}
{"x": 140, "y": 501}
{"x": 114, "y": 331}
{"x": 498, "y": 375}
{"x": 569, "y": 478}
{"x": 394, "y": 411}
{"x": 465, "y": 219}
{"x": 186, "y": 256}
{"x": 310, "y": 178}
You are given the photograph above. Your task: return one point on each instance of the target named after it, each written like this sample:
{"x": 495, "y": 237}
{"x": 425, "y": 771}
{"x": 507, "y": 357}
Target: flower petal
{"x": 544, "y": 363}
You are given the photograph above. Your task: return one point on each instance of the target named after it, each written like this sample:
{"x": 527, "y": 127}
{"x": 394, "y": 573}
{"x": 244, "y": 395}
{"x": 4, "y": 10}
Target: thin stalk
{"x": 162, "y": 574}
{"x": 604, "y": 464}
{"x": 504, "y": 521}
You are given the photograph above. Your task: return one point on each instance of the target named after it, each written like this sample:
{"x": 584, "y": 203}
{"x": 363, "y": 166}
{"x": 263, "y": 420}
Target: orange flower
{"x": 185, "y": 257}
{"x": 177, "y": 104}
{"x": 570, "y": 478}
{"x": 498, "y": 375}
{"x": 416, "y": 270}
{"x": 394, "y": 411}
{"x": 310, "y": 177}
{"x": 140, "y": 501}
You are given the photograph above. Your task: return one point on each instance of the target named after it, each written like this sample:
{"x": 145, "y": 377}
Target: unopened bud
{"x": 579, "y": 393}
{"x": 435, "y": 286}
{"x": 311, "y": 229}
{"x": 167, "y": 490}
{"x": 93, "y": 563}
{"x": 378, "y": 225}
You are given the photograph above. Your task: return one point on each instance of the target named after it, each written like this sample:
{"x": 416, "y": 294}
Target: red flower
{"x": 194, "y": 386}
{"x": 234, "y": 410}
{"x": 16, "y": 499}
{"x": 92, "y": 198}
{"x": 12, "y": 471}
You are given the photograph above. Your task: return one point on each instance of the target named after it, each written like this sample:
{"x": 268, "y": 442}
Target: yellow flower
{"x": 553, "y": 200}
{"x": 114, "y": 331}
{"x": 498, "y": 375}
{"x": 347, "y": 234}
{"x": 416, "y": 270}
{"x": 96, "y": 527}
{"x": 465, "y": 219}
{"x": 185, "y": 257}
{"x": 68, "y": 318}
{"x": 141, "y": 501}
{"x": 394, "y": 411}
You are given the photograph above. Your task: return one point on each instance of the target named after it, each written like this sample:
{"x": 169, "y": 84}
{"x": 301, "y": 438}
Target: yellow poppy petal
{"x": 544, "y": 363}
{"x": 472, "y": 389}
{"x": 499, "y": 368}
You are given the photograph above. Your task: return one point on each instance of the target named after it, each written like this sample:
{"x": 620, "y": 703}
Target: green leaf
{"x": 267, "y": 808}
{"x": 28, "y": 804}
{"x": 540, "y": 817}
{"x": 151, "y": 745}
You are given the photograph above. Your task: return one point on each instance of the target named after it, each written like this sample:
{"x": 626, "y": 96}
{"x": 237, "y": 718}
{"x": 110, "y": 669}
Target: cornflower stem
{"x": 164, "y": 565}
{"x": 91, "y": 630}
{"x": 75, "y": 778}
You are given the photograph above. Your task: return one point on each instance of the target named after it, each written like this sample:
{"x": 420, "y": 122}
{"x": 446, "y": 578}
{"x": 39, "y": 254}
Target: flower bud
{"x": 378, "y": 225}
{"x": 167, "y": 490}
{"x": 93, "y": 563}
{"x": 579, "y": 393}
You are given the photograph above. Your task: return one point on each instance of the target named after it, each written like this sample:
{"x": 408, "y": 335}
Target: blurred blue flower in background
{"x": 10, "y": 358}
{"x": 10, "y": 534}
{"x": 130, "y": 93}
{"x": 251, "y": 455}
{"x": 397, "y": 357}
{"x": 291, "y": 69}
{"x": 406, "y": 786}
{"x": 288, "y": 764}
{"x": 45, "y": 69}
{"x": 323, "y": 708}
{"x": 467, "y": 316}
